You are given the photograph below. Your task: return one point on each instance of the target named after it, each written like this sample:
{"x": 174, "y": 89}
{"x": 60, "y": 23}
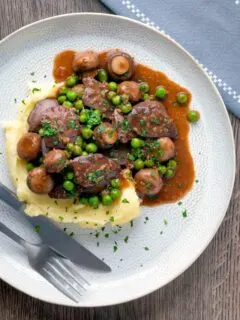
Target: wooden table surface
{"x": 208, "y": 290}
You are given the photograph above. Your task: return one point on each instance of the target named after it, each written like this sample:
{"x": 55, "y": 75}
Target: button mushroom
{"x": 85, "y": 60}
{"x": 120, "y": 65}
{"x": 55, "y": 161}
{"x": 148, "y": 182}
{"x": 29, "y": 146}
{"x": 39, "y": 181}
{"x": 105, "y": 135}
{"x": 130, "y": 88}
{"x": 167, "y": 147}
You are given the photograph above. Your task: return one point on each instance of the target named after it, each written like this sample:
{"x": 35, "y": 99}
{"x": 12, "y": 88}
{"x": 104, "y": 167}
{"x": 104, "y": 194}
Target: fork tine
{"x": 68, "y": 265}
{"x": 60, "y": 284}
{"x": 69, "y": 280}
{"x": 63, "y": 269}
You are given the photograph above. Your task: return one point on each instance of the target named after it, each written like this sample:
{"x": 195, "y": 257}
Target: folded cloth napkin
{"x": 209, "y": 30}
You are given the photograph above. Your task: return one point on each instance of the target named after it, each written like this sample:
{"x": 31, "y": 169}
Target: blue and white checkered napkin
{"x": 209, "y": 30}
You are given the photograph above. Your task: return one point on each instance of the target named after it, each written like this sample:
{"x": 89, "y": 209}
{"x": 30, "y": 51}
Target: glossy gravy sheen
{"x": 175, "y": 188}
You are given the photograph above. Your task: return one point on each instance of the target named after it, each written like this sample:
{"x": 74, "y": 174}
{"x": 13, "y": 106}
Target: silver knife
{"x": 52, "y": 235}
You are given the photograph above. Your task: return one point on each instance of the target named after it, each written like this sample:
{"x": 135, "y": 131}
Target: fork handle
{"x": 17, "y": 221}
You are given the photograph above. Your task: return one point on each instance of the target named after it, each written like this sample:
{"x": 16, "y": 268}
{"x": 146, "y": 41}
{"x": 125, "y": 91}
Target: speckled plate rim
{"x": 200, "y": 249}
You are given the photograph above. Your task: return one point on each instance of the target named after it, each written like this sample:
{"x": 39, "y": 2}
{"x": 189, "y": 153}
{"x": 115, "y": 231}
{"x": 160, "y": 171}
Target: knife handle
{"x": 16, "y": 220}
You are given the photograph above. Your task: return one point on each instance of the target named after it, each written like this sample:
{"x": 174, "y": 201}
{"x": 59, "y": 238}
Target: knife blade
{"x": 53, "y": 236}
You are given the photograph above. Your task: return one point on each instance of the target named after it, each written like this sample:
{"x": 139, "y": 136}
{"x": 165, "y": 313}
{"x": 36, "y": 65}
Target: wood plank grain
{"x": 208, "y": 290}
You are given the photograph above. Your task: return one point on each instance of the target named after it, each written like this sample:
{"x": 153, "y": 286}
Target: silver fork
{"x": 51, "y": 266}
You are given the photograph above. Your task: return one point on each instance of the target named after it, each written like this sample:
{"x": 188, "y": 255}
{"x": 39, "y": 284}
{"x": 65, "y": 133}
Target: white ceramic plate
{"x": 174, "y": 242}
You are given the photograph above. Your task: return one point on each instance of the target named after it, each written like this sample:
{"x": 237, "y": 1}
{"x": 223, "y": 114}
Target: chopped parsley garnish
{"x": 180, "y": 203}
{"x": 71, "y": 125}
{"x": 98, "y": 243}
{"x": 111, "y": 219}
{"x": 146, "y": 220}
{"x": 97, "y": 234}
{"x": 95, "y": 176}
{"x": 93, "y": 118}
{"x": 165, "y": 222}
{"x": 125, "y": 201}
{"x": 23, "y": 102}
{"x": 64, "y": 229}
{"x": 196, "y": 181}
{"x": 146, "y": 248}
{"x": 32, "y": 73}
{"x": 143, "y": 132}
{"x": 15, "y": 100}
{"x": 37, "y": 228}
{"x": 155, "y": 120}
{"x": 71, "y": 234}
{"x": 47, "y": 130}
{"x": 131, "y": 223}
{"x": 142, "y": 123}
{"x": 35, "y": 90}
{"x": 125, "y": 125}
{"x": 106, "y": 235}
{"x": 126, "y": 239}
{"x": 115, "y": 248}
{"x": 184, "y": 213}
{"x": 60, "y": 218}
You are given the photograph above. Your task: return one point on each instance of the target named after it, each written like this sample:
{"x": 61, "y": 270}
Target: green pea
{"x": 169, "y": 173}
{"x": 98, "y": 112}
{"x": 115, "y": 183}
{"x": 115, "y": 194}
{"x": 91, "y": 147}
{"x": 107, "y": 200}
{"x": 149, "y": 163}
{"x": 78, "y": 104}
{"x": 137, "y": 143}
{"x": 139, "y": 164}
{"x": 160, "y": 92}
{"x": 162, "y": 169}
{"x": 125, "y": 98}
{"x": 83, "y": 200}
{"x": 62, "y": 90}
{"x": 111, "y": 94}
{"x": 172, "y": 164}
{"x": 94, "y": 202}
{"x": 182, "y": 97}
{"x": 87, "y": 133}
{"x": 68, "y": 185}
{"x": 77, "y": 151}
{"x": 102, "y": 75}
{"x": 30, "y": 166}
{"x": 62, "y": 98}
{"x": 85, "y": 153}
{"x": 83, "y": 117}
{"x": 68, "y": 154}
{"x": 193, "y": 116}
{"x": 146, "y": 96}
{"x": 70, "y": 146}
{"x": 131, "y": 157}
{"x": 71, "y": 95}
{"x": 79, "y": 141}
{"x": 126, "y": 108}
{"x": 67, "y": 104}
{"x": 144, "y": 87}
{"x": 69, "y": 176}
{"x": 112, "y": 86}
{"x": 116, "y": 100}
{"x": 71, "y": 81}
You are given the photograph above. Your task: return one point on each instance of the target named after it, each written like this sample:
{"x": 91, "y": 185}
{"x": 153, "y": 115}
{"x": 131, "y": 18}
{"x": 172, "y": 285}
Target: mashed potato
{"x": 60, "y": 210}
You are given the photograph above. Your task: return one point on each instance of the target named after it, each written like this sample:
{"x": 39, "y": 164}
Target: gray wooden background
{"x": 208, "y": 290}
